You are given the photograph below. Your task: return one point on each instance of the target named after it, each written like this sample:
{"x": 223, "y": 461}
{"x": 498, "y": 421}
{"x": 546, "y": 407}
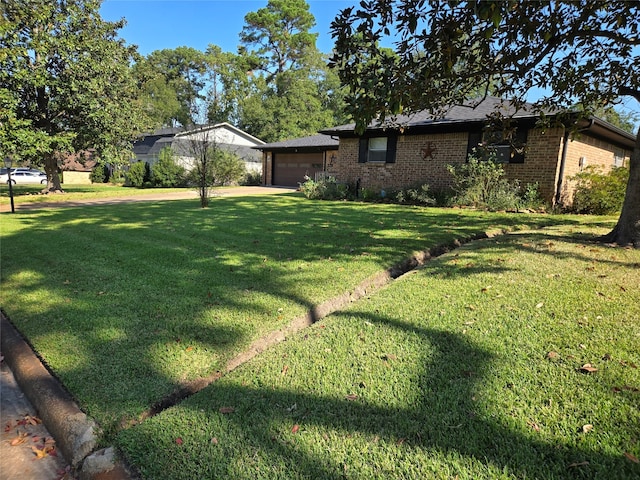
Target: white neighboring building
{"x": 224, "y": 135}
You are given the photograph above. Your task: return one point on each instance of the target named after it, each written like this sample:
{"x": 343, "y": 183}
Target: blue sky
{"x": 157, "y": 24}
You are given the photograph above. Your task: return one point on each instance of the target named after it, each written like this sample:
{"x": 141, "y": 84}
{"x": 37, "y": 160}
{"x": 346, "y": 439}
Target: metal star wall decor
{"x": 428, "y": 151}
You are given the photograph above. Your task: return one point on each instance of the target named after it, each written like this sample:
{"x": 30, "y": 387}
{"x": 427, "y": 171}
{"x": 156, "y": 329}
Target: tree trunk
{"x": 53, "y": 178}
{"x": 627, "y": 231}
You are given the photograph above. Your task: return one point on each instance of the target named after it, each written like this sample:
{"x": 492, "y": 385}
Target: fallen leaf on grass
{"x": 226, "y": 410}
{"x": 214, "y": 441}
{"x": 389, "y": 356}
{"x": 552, "y": 355}
{"x": 540, "y": 305}
{"x": 284, "y": 370}
{"x": 625, "y": 387}
{"x": 179, "y": 441}
{"x": 351, "y": 397}
{"x": 534, "y": 425}
{"x": 624, "y": 363}
{"x": 588, "y": 368}
{"x": 295, "y": 428}
{"x": 631, "y": 457}
{"x": 587, "y": 428}
{"x": 578, "y": 464}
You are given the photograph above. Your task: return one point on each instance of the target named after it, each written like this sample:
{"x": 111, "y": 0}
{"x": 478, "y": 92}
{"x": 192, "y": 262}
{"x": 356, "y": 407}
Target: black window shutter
{"x": 520, "y": 141}
{"x": 391, "y": 149}
{"x": 474, "y": 139}
{"x": 363, "y": 152}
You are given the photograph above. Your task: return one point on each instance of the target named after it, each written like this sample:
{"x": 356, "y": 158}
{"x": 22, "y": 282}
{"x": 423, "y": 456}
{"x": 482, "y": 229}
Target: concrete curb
{"x": 75, "y": 433}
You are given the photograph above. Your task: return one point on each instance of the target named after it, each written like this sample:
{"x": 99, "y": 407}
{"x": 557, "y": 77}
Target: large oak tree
{"x": 578, "y": 52}
{"x": 65, "y": 83}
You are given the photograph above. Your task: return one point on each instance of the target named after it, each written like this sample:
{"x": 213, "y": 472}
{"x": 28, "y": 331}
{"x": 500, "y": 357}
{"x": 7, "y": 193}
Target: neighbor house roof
{"x": 217, "y": 126}
{"x": 79, "y": 162}
{"x": 313, "y": 142}
{"x": 473, "y": 114}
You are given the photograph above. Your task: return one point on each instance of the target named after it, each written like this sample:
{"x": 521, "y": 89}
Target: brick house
{"x": 419, "y": 151}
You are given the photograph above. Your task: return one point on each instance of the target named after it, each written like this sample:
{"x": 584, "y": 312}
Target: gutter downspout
{"x": 563, "y": 161}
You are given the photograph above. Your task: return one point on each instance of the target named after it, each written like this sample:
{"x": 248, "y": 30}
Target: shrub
{"x": 167, "y": 173}
{"x": 252, "y": 177}
{"x": 135, "y": 177}
{"x": 481, "y": 183}
{"x": 419, "y": 195}
{"x": 228, "y": 168}
{"x": 599, "y": 193}
{"x": 328, "y": 189}
{"x": 100, "y": 174}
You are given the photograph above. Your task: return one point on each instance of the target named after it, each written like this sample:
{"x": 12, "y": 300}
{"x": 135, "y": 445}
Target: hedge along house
{"x": 287, "y": 163}
{"x": 417, "y": 149}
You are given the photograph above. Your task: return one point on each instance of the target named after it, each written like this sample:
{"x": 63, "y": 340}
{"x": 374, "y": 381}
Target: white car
{"x": 21, "y": 176}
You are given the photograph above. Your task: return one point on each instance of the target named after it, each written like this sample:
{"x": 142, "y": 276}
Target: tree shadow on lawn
{"x": 125, "y": 359}
{"x": 447, "y": 429}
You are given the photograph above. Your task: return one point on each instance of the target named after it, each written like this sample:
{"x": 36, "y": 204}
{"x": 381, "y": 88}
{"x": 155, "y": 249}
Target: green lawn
{"x": 126, "y": 303}
{"x": 443, "y": 373}
{"x": 468, "y": 368}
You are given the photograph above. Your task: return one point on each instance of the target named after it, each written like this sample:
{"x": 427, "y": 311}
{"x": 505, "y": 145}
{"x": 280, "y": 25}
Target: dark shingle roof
{"x": 461, "y": 114}
{"x": 314, "y": 141}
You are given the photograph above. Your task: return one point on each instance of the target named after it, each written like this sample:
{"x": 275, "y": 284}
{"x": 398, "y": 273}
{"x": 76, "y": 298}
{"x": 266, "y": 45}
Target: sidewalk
{"x": 24, "y": 439}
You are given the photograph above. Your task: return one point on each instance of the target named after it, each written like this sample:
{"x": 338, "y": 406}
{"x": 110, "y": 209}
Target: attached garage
{"x": 289, "y": 169}
{"x": 287, "y": 163}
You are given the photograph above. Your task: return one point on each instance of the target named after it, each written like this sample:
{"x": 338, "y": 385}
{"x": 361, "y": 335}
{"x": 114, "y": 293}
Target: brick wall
{"x": 410, "y": 167}
{"x": 541, "y": 163}
{"x": 267, "y": 168}
{"x": 592, "y": 151}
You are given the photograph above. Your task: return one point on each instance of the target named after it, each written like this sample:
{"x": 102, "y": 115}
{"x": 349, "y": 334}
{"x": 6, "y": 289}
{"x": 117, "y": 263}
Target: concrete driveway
{"x": 152, "y": 197}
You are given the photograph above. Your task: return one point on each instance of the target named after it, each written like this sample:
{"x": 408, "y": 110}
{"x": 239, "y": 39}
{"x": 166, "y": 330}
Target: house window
{"x": 378, "y": 149}
{"x": 505, "y": 151}
{"x": 618, "y": 158}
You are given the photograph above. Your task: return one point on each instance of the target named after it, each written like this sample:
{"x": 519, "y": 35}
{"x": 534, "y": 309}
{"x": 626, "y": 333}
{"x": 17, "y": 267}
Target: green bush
{"x": 100, "y": 173}
{"x": 328, "y": 189}
{"x": 419, "y": 195}
{"x": 252, "y": 178}
{"x": 167, "y": 173}
{"x": 600, "y": 193}
{"x": 135, "y": 177}
{"x": 480, "y": 183}
{"x": 228, "y": 168}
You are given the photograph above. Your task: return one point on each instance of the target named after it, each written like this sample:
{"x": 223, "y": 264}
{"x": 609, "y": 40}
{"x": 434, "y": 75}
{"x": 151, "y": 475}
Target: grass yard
{"x": 126, "y": 303}
{"x": 31, "y": 193}
{"x": 514, "y": 357}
